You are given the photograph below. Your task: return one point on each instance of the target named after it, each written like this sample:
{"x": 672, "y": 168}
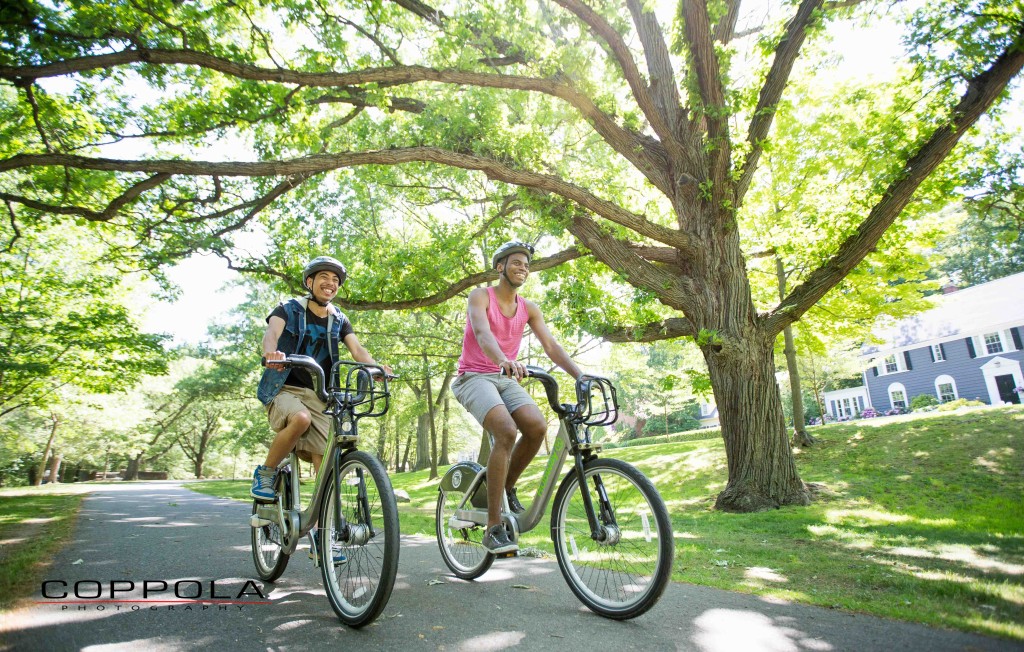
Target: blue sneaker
{"x": 263, "y": 483}
{"x": 337, "y": 557}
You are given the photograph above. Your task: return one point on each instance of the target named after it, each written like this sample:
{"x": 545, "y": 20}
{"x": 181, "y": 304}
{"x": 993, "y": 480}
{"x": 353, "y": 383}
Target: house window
{"x": 993, "y": 343}
{"x": 847, "y": 411}
{"x": 891, "y": 366}
{"x": 898, "y": 396}
{"x": 946, "y": 393}
{"x": 945, "y": 388}
{"x": 937, "y": 353}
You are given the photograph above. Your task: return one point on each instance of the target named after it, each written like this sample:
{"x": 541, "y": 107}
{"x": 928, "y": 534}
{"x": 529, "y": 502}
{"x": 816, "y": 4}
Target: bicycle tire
{"x": 625, "y": 577}
{"x": 266, "y": 550}
{"x": 359, "y": 589}
{"x": 462, "y": 549}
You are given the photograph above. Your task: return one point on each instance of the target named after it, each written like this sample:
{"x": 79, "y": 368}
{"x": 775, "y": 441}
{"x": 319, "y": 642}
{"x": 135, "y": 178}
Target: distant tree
{"x": 65, "y": 320}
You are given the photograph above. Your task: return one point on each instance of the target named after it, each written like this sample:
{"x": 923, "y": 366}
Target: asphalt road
{"x": 151, "y": 534}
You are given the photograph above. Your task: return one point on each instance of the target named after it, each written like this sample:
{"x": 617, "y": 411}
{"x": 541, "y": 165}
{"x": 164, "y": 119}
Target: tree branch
{"x": 434, "y": 299}
{"x": 620, "y": 50}
{"x": 633, "y": 147}
{"x": 725, "y": 28}
{"x": 712, "y": 94}
{"x": 133, "y": 193}
{"x": 659, "y": 65}
{"x": 982, "y": 91}
{"x": 774, "y": 85}
{"x": 671, "y": 289}
{"x": 667, "y": 329}
{"x": 326, "y": 162}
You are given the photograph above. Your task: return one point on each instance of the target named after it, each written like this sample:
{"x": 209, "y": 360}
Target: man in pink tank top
{"x": 495, "y": 320}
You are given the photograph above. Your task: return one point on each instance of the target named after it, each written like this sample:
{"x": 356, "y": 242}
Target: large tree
{"x": 628, "y": 133}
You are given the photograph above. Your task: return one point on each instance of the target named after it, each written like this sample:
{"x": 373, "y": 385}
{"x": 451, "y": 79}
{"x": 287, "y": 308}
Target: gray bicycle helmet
{"x": 323, "y": 264}
{"x": 509, "y": 248}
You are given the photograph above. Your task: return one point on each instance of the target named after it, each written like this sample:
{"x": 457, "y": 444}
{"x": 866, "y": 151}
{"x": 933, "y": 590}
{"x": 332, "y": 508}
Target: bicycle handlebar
{"x": 364, "y": 391}
{"x": 603, "y": 411}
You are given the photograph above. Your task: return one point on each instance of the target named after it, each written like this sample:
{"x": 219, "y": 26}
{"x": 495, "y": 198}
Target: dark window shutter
{"x": 1015, "y": 332}
{"x": 874, "y": 370}
{"x": 931, "y": 352}
{"x": 906, "y": 358}
{"x": 942, "y": 349}
{"x": 970, "y": 347}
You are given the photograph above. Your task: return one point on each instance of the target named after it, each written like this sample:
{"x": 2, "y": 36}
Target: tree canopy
{"x": 628, "y": 138}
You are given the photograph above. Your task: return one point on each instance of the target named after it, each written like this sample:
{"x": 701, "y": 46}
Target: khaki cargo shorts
{"x": 292, "y": 400}
{"x": 479, "y": 393}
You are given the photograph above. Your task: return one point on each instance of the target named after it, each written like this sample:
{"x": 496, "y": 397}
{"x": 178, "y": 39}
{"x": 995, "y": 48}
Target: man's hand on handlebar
{"x": 269, "y": 357}
{"x": 514, "y": 369}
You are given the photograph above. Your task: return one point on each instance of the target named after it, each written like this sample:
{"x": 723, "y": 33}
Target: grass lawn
{"x": 921, "y": 519}
{"x": 34, "y": 523}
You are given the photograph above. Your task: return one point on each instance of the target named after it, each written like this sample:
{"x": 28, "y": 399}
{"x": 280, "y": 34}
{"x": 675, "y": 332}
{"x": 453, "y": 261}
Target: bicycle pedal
{"x": 256, "y": 521}
{"x": 511, "y": 554}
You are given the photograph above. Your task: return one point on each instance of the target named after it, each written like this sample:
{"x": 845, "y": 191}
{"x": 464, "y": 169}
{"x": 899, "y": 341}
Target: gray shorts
{"x": 479, "y": 393}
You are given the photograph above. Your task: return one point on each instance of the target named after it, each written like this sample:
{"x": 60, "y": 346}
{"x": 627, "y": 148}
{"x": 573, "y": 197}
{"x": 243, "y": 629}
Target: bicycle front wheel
{"x": 624, "y": 572}
{"x": 266, "y": 550}
{"x": 359, "y": 539}
{"x": 462, "y": 548}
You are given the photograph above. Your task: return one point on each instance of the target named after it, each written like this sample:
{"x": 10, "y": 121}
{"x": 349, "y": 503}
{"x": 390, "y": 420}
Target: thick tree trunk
{"x": 762, "y": 471}
{"x": 132, "y": 472}
{"x": 422, "y": 441}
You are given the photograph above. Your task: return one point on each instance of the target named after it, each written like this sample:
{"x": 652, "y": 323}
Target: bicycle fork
{"x": 603, "y": 527}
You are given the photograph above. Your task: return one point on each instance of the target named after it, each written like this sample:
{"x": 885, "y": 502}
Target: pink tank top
{"x": 507, "y": 330}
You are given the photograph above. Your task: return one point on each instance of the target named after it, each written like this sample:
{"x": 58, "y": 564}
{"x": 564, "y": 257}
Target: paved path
{"x": 162, "y": 532}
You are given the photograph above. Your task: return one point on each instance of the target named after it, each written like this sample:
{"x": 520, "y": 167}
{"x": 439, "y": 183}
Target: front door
{"x": 1006, "y": 385}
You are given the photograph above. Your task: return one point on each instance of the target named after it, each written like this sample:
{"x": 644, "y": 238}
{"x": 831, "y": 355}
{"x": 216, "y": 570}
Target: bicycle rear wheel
{"x": 367, "y": 535}
{"x": 461, "y": 548}
{"x": 266, "y": 550}
{"x": 624, "y": 575}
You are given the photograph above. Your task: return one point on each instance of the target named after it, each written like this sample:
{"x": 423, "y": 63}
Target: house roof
{"x": 981, "y": 308}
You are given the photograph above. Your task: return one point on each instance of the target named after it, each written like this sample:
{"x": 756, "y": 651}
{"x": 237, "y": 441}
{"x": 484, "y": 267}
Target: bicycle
{"x": 609, "y": 525}
{"x": 352, "y": 501}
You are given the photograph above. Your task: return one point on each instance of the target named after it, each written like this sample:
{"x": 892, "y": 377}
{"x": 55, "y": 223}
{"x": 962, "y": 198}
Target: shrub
{"x": 868, "y": 413}
{"x": 959, "y": 403}
{"x": 678, "y": 421}
{"x": 922, "y": 401}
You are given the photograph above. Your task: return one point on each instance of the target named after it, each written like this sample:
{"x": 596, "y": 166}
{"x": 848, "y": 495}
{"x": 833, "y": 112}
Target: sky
{"x": 205, "y": 296}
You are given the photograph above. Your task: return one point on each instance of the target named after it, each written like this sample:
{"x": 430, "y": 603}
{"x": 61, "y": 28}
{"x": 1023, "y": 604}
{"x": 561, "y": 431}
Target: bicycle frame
{"x": 566, "y": 442}
{"x": 295, "y": 523}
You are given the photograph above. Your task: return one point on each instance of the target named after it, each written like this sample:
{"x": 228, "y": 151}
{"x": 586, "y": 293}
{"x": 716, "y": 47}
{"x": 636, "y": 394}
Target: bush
{"x": 678, "y": 421}
{"x": 959, "y": 403}
{"x": 923, "y": 401}
{"x": 868, "y": 413}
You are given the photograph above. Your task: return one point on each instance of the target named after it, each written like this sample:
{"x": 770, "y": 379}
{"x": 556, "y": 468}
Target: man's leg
{"x": 285, "y": 439}
{"x": 502, "y": 427}
{"x": 533, "y": 426}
